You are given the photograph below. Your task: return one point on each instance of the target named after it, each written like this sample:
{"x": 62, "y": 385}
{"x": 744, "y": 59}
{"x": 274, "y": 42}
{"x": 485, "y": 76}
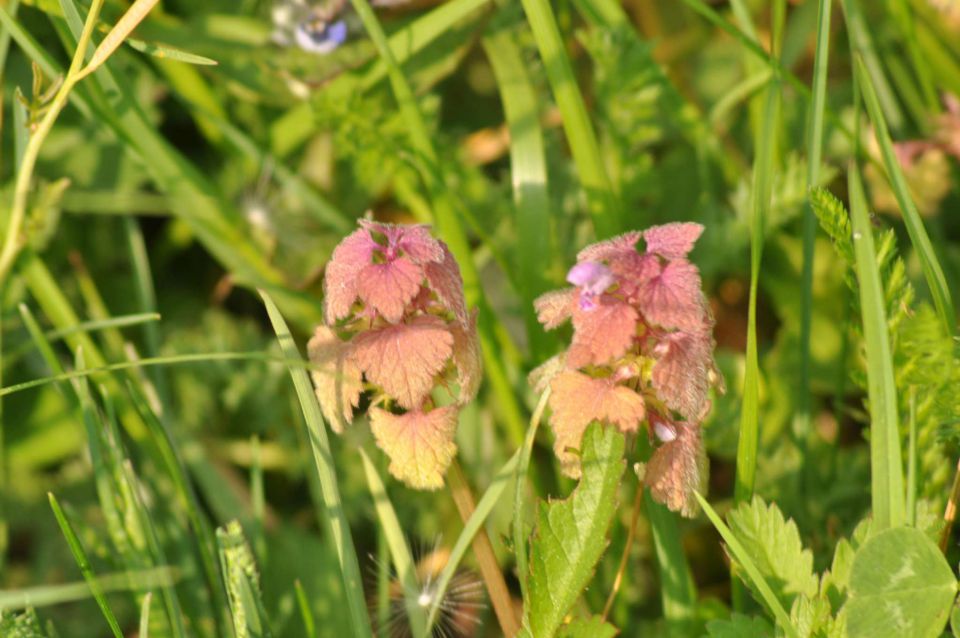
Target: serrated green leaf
{"x": 811, "y": 616}
{"x": 593, "y": 627}
{"x": 775, "y": 547}
{"x": 900, "y": 587}
{"x": 571, "y": 534}
{"x": 740, "y": 626}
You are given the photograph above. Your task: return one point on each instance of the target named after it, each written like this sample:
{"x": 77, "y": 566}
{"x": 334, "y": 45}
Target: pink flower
{"x": 642, "y": 349}
{"x": 404, "y": 332}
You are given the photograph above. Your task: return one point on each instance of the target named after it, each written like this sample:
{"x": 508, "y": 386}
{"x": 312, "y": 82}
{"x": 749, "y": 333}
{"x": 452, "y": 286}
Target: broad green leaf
{"x": 571, "y": 534}
{"x": 740, "y": 626}
{"x": 900, "y": 587}
{"x": 775, "y": 547}
{"x": 593, "y": 627}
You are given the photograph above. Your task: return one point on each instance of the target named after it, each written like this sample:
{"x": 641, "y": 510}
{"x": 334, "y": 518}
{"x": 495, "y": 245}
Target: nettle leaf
{"x": 739, "y": 626}
{"x": 774, "y": 545}
{"x": 900, "y": 587}
{"x": 594, "y": 627}
{"x": 811, "y": 616}
{"x": 571, "y": 534}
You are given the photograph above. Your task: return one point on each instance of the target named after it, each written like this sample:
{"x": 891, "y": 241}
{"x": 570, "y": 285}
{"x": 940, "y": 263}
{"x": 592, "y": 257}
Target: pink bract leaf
{"x": 389, "y": 287}
{"x": 403, "y": 359}
{"x": 555, "y": 307}
{"x": 420, "y": 444}
{"x": 467, "y": 358}
{"x": 681, "y": 375}
{"x": 672, "y": 241}
{"x": 337, "y": 382}
{"x": 602, "y": 334}
{"x": 577, "y": 400}
{"x": 610, "y": 249}
{"x": 414, "y": 240}
{"x": 677, "y": 469}
{"x": 444, "y": 278}
{"x": 672, "y": 298}
{"x": 340, "y": 277}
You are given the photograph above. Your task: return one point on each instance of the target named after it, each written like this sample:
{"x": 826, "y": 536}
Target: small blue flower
{"x": 318, "y": 36}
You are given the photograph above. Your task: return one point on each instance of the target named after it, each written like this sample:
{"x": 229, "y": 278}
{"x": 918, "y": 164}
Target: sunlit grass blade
{"x": 397, "y": 542}
{"x": 339, "y": 529}
{"x": 528, "y": 168}
{"x": 145, "y": 616}
{"x": 743, "y": 557}
{"x": 470, "y": 529}
{"x": 84, "y": 564}
{"x": 815, "y": 115}
{"x": 602, "y": 201}
{"x": 44, "y": 595}
{"x": 932, "y": 270}
{"x": 886, "y": 463}
{"x": 519, "y": 528}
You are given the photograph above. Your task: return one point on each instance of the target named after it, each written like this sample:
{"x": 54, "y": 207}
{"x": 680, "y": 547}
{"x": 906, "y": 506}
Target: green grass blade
{"x": 397, "y": 543}
{"x": 862, "y": 43}
{"x": 316, "y": 431}
{"x": 528, "y": 168}
{"x": 912, "y": 462}
{"x": 519, "y": 529}
{"x": 743, "y": 557}
{"x": 815, "y": 115}
{"x": 484, "y": 506}
{"x": 46, "y": 595}
{"x": 886, "y": 464}
{"x": 145, "y": 616}
{"x": 678, "y": 592}
{"x": 81, "y": 557}
{"x": 932, "y": 271}
{"x": 602, "y": 201}
{"x": 761, "y": 197}
{"x": 306, "y": 613}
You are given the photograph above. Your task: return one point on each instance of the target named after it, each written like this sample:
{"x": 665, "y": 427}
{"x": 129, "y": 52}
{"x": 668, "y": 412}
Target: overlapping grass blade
{"x": 528, "y": 168}
{"x": 743, "y": 557}
{"x": 80, "y": 555}
{"x": 45, "y": 595}
{"x": 519, "y": 528}
{"x": 760, "y": 201}
{"x": 886, "y": 464}
{"x": 932, "y": 270}
{"x": 397, "y": 542}
{"x": 338, "y": 529}
{"x": 602, "y": 200}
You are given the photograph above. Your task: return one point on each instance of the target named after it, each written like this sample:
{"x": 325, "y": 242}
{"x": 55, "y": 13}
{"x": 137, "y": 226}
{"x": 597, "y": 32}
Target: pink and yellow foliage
{"x": 397, "y": 327}
{"x": 642, "y": 351}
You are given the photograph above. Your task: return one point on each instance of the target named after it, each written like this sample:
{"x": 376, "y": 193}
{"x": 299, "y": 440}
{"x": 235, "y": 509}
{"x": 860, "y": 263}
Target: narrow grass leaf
{"x": 397, "y": 543}
{"x": 316, "y": 431}
{"x": 815, "y": 116}
{"x": 46, "y": 595}
{"x": 602, "y": 201}
{"x": 678, "y": 592}
{"x": 932, "y": 270}
{"x": 145, "y": 616}
{"x": 528, "y": 169}
{"x": 519, "y": 528}
{"x": 743, "y": 557}
{"x": 76, "y": 548}
{"x": 306, "y": 613}
{"x": 886, "y": 464}
{"x": 484, "y": 506}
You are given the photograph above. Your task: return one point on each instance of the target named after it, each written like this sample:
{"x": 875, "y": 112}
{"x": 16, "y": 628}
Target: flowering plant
{"x": 642, "y": 350}
{"x": 396, "y": 318}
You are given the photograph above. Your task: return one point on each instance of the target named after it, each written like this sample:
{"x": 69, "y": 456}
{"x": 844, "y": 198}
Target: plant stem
{"x": 11, "y": 243}
{"x": 483, "y": 549}
{"x": 631, "y": 533}
{"x": 950, "y": 514}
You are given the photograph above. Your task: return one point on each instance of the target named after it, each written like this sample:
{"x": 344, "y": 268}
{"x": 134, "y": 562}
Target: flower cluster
{"x": 396, "y": 317}
{"x": 642, "y": 350}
